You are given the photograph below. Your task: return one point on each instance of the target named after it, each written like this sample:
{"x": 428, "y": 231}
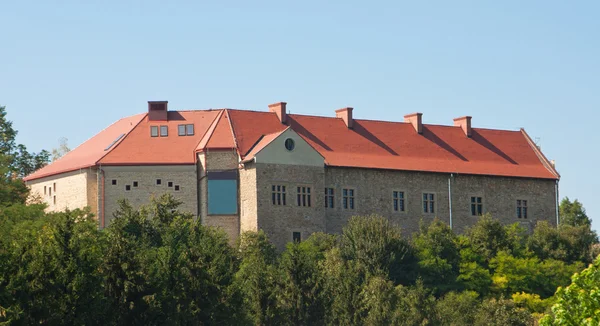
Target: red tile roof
{"x": 91, "y": 151}
{"x": 370, "y": 144}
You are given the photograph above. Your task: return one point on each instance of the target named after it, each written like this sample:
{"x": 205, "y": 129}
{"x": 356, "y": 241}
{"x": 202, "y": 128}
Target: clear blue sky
{"x": 70, "y": 68}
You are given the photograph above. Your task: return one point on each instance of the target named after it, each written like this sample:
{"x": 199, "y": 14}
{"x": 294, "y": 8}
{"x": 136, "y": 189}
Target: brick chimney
{"x": 416, "y": 119}
{"x": 346, "y": 115}
{"x": 465, "y": 124}
{"x": 157, "y": 110}
{"x": 279, "y": 109}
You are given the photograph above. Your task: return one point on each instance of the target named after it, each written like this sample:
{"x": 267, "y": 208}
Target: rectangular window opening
{"x": 114, "y": 182}
{"x": 522, "y": 208}
{"x": 127, "y": 188}
{"x": 348, "y": 198}
{"x": 428, "y": 203}
{"x": 135, "y": 184}
{"x": 189, "y": 130}
{"x": 176, "y": 187}
{"x": 45, "y": 190}
{"x": 278, "y": 195}
{"x": 158, "y": 182}
{"x": 154, "y": 131}
{"x": 329, "y": 198}
{"x": 222, "y": 192}
{"x": 54, "y": 200}
{"x": 476, "y": 206}
{"x": 170, "y": 184}
{"x": 297, "y": 237}
{"x": 398, "y": 201}
{"x": 181, "y": 130}
{"x": 164, "y": 131}
{"x": 54, "y": 186}
{"x": 303, "y": 196}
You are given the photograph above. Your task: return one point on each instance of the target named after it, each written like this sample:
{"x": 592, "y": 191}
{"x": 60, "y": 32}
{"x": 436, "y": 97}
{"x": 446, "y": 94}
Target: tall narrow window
{"x": 522, "y": 208}
{"x": 348, "y": 198}
{"x": 54, "y": 200}
{"x": 476, "y": 206}
{"x": 297, "y": 236}
{"x": 278, "y": 195}
{"x": 54, "y": 186}
{"x": 154, "y": 131}
{"x": 303, "y": 196}
{"x": 329, "y": 198}
{"x": 428, "y": 203}
{"x": 45, "y": 190}
{"x": 164, "y": 131}
{"x": 398, "y": 198}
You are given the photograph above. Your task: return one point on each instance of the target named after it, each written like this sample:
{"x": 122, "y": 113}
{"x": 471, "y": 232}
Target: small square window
{"x": 114, "y": 182}
{"x": 181, "y": 130}
{"x": 297, "y": 237}
{"x": 189, "y": 130}
{"x": 154, "y": 131}
{"x": 177, "y": 188}
{"x": 127, "y": 188}
{"x": 158, "y": 182}
{"x": 170, "y": 184}
{"x": 135, "y": 184}
{"x": 164, "y": 131}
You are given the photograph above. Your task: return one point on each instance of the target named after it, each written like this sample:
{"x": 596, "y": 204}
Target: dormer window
{"x": 164, "y": 131}
{"x": 185, "y": 130}
{"x": 154, "y": 131}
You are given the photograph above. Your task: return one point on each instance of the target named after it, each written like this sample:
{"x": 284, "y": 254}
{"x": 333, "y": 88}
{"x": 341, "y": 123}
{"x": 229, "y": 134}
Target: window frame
{"x": 181, "y": 128}
{"x": 519, "y": 209}
{"x": 280, "y": 189}
{"x": 351, "y": 199}
{"x": 187, "y": 129}
{"x": 329, "y": 198}
{"x": 403, "y": 199}
{"x": 477, "y": 205}
{"x": 294, "y": 236}
{"x": 154, "y": 131}
{"x": 303, "y": 196}
{"x": 166, "y": 128}
{"x": 429, "y": 211}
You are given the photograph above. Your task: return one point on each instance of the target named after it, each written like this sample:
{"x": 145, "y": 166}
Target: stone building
{"x": 292, "y": 175}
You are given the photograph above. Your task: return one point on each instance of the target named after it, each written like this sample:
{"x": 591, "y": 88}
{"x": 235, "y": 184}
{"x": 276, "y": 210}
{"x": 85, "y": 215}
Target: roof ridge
{"x": 209, "y": 132}
{"x": 121, "y": 140}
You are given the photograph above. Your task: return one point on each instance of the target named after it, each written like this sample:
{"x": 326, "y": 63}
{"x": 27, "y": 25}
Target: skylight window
{"x": 114, "y": 142}
{"x": 185, "y": 130}
{"x": 154, "y": 131}
{"x": 164, "y": 131}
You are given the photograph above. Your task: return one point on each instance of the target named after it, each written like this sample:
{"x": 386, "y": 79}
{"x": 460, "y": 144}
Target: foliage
{"x": 572, "y": 213}
{"x": 458, "y": 309}
{"x": 501, "y": 312}
{"x": 579, "y": 303}
{"x": 61, "y": 150}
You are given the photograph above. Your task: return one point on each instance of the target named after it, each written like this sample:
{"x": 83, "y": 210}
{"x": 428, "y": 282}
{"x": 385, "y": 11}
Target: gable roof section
{"x": 219, "y": 135}
{"x": 249, "y": 126}
{"x": 139, "y": 148}
{"x": 91, "y": 151}
{"x": 262, "y": 143}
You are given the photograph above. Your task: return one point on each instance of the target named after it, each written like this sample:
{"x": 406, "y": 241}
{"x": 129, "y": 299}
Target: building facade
{"x": 294, "y": 175}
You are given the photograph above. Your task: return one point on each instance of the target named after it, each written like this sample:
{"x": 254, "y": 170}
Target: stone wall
{"x": 248, "y": 199}
{"x": 182, "y": 177}
{"x": 66, "y": 190}
{"x": 218, "y": 160}
{"x": 280, "y": 221}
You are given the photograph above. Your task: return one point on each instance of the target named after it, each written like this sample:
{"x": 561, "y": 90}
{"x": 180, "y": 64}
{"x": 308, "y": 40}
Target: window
{"x": 154, "y": 131}
{"x": 428, "y": 203}
{"x": 114, "y": 182}
{"x": 278, "y": 195}
{"x": 135, "y": 184}
{"x": 181, "y": 130}
{"x": 158, "y": 182}
{"x": 114, "y": 142}
{"x": 127, "y": 188}
{"x": 164, "y": 131}
{"x": 522, "y": 208}
{"x": 49, "y": 191}
{"x": 176, "y": 187}
{"x": 222, "y": 192}
{"x": 398, "y": 201}
{"x": 45, "y": 190}
{"x": 54, "y": 200}
{"x": 54, "y": 186}
{"x": 189, "y": 130}
{"x": 170, "y": 184}
{"x": 303, "y": 196}
{"x": 348, "y": 198}
{"x": 476, "y": 206}
{"x": 290, "y": 144}
{"x": 329, "y": 198}
{"x": 297, "y": 237}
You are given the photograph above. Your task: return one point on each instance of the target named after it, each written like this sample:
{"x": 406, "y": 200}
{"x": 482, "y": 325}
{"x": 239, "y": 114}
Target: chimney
{"x": 279, "y": 109}
{"x": 465, "y": 124}
{"x": 157, "y": 110}
{"x": 416, "y": 119}
{"x": 346, "y": 115}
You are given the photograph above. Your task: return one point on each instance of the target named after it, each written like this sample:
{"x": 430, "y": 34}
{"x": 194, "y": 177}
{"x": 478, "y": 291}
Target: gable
{"x": 275, "y": 152}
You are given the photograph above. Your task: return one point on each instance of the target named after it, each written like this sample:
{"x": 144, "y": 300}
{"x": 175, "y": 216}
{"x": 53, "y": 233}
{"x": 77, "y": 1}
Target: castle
{"x": 292, "y": 175}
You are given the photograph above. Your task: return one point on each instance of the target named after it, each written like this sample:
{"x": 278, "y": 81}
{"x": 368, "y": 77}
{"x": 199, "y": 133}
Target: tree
{"x": 573, "y": 213}
{"x": 566, "y": 243}
{"x": 61, "y": 150}
{"x": 578, "y": 303}
{"x": 438, "y": 254}
{"x": 502, "y": 312}
{"x": 485, "y": 239}
{"x": 378, "y": 249}
{"x": 457, "y": 309}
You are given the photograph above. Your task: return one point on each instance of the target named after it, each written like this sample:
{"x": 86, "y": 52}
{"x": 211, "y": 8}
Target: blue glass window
{"x": 222, "y": 193}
